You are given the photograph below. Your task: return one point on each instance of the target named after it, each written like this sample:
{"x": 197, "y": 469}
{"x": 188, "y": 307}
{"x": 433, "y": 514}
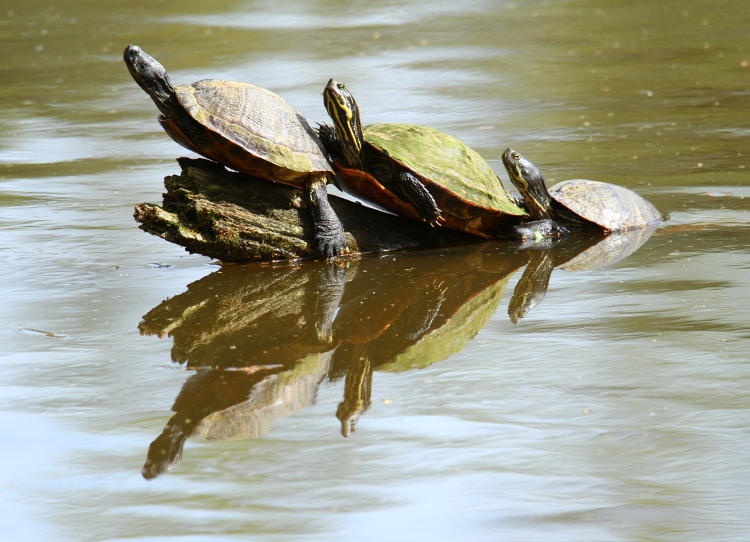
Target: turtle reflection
{"x": 255, "y": 343}
{"x": 406, "y": 314}
{"x": 576, "y": 254}
{"x": 262, "y": 340}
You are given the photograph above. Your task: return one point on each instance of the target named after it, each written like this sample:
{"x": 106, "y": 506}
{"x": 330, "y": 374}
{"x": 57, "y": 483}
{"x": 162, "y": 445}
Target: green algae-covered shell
{"x": 252, "y": 129}
{"x": 613, "y": 207}
{"x": 443, "y": 160}
{"x": 453, "y": 335}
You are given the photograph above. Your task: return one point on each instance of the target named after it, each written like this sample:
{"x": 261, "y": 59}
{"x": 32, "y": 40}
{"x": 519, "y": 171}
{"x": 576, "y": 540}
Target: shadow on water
{"x": 260, "y": 343}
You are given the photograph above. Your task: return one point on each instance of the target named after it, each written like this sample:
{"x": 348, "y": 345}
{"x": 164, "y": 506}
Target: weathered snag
{"x": 236, "y": 218}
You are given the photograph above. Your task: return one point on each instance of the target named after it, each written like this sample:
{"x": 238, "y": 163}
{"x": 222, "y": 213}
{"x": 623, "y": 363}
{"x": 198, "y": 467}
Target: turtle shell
{"x": 609, "y": 206}
{"x": 466, "y": 189}
{"x": 251, "y": 130}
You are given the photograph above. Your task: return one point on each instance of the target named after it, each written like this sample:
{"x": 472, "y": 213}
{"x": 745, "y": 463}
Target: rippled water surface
{"x": 488, "y": 393}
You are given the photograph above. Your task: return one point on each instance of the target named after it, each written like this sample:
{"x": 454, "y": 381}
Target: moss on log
{"x": 235, "y": 218}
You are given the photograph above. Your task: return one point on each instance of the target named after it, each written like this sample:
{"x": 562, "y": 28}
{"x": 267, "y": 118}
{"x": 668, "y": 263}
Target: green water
{"x": 615, "y": 407}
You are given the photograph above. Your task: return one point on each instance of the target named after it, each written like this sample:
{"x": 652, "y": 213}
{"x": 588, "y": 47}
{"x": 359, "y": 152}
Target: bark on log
{"x": 235, "y": 218}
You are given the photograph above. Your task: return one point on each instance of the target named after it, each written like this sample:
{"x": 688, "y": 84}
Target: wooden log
{"x": 236, "y": 218}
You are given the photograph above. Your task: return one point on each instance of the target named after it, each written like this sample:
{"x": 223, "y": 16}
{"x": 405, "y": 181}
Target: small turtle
{"x": 574, "y": 205}
{"x": 249, "y": 129}
{"x": 415, "y": 171}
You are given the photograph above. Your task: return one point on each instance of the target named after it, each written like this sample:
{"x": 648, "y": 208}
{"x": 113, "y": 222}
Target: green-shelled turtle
{"x": 416, "y": 171}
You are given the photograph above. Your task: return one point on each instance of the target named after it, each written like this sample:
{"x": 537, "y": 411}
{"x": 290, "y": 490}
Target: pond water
{"x": 488, "y": 393}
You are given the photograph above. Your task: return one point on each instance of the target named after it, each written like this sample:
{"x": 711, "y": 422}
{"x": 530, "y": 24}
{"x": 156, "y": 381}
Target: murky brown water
{"x": 616, "y": 408}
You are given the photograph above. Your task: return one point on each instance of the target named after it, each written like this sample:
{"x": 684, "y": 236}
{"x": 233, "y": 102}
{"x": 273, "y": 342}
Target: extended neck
{"x": 344, "y": 113}
{"x": 529, "y": 181}
{"x": 537, "y": 199}
{"x": 349, "y": 131}
{"x": 151, "y": 77}
{"x": 163, "y": 94}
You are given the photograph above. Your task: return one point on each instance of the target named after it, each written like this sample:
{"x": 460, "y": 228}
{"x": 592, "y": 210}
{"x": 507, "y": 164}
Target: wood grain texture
{"x": 236, "y": 218}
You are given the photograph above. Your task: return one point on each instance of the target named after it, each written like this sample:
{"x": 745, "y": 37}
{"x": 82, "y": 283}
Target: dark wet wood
{"x": 236, "y": 218}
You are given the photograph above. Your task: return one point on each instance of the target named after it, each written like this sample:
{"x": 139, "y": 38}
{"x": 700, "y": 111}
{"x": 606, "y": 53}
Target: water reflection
{"x": 261, "y": 342}
{"x": 577, "y": 254}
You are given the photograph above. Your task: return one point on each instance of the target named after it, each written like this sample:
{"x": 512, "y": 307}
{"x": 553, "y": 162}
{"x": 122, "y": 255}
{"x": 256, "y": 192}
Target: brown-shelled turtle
{"x": 575, "y": 205}
{"x": 246, "y": 128}
{"x": 415, "y": 171}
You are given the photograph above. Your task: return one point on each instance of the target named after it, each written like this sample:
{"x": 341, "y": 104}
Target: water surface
{"x": 616, "y": 408}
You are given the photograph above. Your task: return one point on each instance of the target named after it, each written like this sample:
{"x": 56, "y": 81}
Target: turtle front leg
{"x": 536, "y": 231}
{"x": 420, "y": 198}
{"x": 331, "y": 143}
{"x": 328, "y": 231}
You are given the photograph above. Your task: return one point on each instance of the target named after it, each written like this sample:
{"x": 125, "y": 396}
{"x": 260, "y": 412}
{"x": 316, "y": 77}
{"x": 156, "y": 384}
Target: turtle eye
{"x": 341, "y": 86}
{"x": 515, "y": 155}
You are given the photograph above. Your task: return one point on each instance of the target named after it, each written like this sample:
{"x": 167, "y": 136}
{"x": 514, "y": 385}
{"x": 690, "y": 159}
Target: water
{"x": 615, "y": 409}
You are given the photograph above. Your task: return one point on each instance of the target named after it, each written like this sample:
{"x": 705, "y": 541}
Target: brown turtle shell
{"x": 250, "y": 129}
{"x": 612, "y": 207}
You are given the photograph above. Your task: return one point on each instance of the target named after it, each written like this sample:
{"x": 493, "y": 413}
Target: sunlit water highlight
{"x": 616, "y": 409}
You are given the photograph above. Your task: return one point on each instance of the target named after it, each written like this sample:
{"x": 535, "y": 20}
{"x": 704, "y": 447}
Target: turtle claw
{"x": 437, "y": 221}
{"x": 330, "y": 246}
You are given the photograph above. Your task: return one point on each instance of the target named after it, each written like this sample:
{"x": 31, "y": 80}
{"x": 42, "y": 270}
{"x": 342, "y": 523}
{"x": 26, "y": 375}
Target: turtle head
{"x": 149, "y": 74}
{"x": 529, "y": 181}
{"x": 344, "y": 112}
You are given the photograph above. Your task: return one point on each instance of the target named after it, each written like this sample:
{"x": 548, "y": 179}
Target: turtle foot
{"x": 330, "y": 243}
{"x": 327, "y": 135}
{"x": 328, "y": 233}
{"x": 540, "y": 232}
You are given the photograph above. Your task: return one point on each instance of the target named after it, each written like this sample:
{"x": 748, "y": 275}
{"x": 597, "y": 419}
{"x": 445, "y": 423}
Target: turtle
{"x": 575, "y": 205}
{"x": 415, "y": 171}
{"x": 248, "y": 129}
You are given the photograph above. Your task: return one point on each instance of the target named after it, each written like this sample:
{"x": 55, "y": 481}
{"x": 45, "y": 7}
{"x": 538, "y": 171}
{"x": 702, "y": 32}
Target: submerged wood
{"x": 235, "y": 218}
